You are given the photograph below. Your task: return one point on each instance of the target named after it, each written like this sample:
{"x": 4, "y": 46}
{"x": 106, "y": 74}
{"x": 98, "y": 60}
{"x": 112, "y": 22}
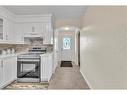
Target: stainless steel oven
{"x": 29, "y": 65}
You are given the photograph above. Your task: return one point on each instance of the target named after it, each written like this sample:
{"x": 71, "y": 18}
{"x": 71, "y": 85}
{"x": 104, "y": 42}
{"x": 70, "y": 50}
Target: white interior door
{"x": 67, "y": 46}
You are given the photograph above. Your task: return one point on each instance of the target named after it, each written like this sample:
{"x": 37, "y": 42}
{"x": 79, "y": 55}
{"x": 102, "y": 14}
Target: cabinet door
{"x": 38, "y": 28}
{"x": 27, "y": 27}
{"x": 7, "y": 71}
{"x": 33, "y": 28}
{"x": 6, "y": 30}
{"x": 48, "y": 33}
{"x": 19, "y": 31}
{"x": 44, "y": 68}
{"x": 10, "y": 35}
{"x": 50, "y": 66}
{"x": 1, "y": 28}
{"x": 1, "y": 73}
{"x": 14, "y": 67}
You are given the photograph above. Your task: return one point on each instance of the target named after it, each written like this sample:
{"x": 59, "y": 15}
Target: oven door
{"x": 28, "y": 69}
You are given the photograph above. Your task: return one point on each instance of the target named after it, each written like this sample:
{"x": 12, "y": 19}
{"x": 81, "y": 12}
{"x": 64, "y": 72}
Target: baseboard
{"x": 86, "y": 80}
{"x": 27, "y": 80}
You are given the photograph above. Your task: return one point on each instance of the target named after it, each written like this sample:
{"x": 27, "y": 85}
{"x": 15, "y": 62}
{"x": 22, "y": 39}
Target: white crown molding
{"x": 31, "y": 16}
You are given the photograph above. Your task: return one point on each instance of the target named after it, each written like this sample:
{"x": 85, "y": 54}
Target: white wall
{"x": 56, "y": 50}
{"x": 104, "y": 47}
{"x": 76, "y": 46}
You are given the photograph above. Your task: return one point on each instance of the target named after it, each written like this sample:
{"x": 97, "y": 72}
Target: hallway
{"x": 68, "y": 78}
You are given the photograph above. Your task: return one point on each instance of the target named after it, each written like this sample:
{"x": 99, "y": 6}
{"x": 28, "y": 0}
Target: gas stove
{"x": 28, "y": 66}
{"x": 32, "y": 54}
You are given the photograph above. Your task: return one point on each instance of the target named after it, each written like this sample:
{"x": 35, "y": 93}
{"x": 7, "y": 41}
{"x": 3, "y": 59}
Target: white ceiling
{"x": 59, "y": 12}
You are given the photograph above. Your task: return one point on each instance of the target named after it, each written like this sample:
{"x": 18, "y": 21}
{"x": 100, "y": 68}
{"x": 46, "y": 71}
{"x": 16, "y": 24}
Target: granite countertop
{"x": 46, "y": 54}
{"x": 7, "y": 55}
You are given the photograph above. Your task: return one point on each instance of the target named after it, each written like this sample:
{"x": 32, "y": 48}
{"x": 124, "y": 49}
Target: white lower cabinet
{"x": 46, "y": 67}
{"x": 8, "y": 70}
{"x": 1, "y": 73}
{"x": 14, "y": 68}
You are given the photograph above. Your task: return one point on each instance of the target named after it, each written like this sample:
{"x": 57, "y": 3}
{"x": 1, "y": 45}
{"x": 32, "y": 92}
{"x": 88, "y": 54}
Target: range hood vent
{"x": 34, "y": 41}
{"x": 33, "y": 34}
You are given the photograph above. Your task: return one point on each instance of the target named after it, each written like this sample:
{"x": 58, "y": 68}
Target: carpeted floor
{"x": 26, "y": 86}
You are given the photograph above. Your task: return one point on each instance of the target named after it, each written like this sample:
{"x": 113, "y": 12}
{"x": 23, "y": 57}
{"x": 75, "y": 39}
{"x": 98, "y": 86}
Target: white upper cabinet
{"x": 1, "y": 28}
{"x": 33, "y": 29}
{"x": 13, "y": 28}
{"x": 18, "y": 33}
{"x": 48, "y": 33}
{"x": 35, "y": 26}
{"x": 6, "y": 30}
{"x": 6, "y": 26}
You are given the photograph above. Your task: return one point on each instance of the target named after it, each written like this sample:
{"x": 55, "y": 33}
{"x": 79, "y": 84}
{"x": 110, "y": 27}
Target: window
{"x": 66, "y": 43}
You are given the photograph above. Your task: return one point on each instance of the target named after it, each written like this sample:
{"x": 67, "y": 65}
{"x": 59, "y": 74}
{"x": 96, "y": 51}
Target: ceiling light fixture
{"x": 66, "y": 28}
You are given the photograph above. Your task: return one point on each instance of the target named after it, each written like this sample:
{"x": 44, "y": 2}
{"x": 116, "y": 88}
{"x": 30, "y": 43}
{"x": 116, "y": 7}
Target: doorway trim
{"x": 71, "y": 29}
{"x": 78, "y": 48}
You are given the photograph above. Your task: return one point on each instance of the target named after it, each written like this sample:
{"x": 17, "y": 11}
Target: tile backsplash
{"x": 17, "y": 48}
{"x": 30, "y": 42}
{"x": 23, "y": 48}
